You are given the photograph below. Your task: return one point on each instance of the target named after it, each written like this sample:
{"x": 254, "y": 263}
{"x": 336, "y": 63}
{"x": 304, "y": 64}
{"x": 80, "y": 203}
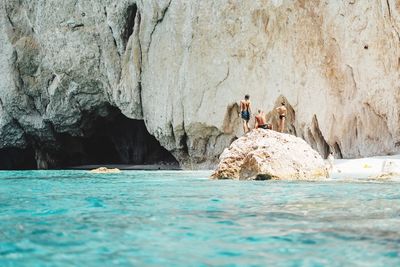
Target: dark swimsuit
{"x": 282, "y": 116}
{"x": 245, "y": 115}
{"x": 265, "y": 126}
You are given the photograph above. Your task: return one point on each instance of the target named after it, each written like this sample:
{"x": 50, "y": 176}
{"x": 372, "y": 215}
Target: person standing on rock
{"x": 282, "y": 112}
{"x": 245, "y": 110}
{"x": 261, "y": 121}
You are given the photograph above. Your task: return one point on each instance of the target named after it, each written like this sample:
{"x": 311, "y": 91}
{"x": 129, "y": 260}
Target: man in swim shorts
{"x": 282, "y": 112}
{"x": 261, "y": 121}
{"x": 245, "y": 112}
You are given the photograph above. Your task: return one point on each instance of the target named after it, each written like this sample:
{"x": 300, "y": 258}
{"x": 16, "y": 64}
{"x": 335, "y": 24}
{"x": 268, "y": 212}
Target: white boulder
{"x": 265, "y": 154}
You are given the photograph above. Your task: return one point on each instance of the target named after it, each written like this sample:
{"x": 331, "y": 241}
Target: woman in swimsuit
{"x": 282, "y": 111}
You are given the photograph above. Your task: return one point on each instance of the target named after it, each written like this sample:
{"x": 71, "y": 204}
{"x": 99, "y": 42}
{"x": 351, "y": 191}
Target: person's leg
{"x": 247, "y": 126}
{"x": 283, "y": 125}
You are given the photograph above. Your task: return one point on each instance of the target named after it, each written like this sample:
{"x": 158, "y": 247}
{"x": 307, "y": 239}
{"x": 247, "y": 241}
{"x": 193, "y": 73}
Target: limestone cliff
{"x": 181, "y": 66}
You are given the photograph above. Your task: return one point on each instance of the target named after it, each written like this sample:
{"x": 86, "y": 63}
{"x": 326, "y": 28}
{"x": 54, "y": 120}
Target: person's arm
{"x": 250, "y": 107}
{"x": 256, "y": 124}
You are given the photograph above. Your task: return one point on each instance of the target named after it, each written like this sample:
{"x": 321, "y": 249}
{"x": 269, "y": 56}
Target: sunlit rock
{"x": 265, "y": 154}
{"x": 104, "y": 170}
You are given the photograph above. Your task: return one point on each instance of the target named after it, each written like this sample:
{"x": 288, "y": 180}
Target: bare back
{"x": 261, "y": 119}
{"x": 245, "y": 105}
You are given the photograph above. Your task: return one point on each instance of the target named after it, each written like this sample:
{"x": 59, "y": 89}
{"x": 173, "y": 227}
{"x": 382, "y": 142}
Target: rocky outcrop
{"x": 265, "y": 155}
{"x": 181, "y": 67}
{"x": 104, "y": 170}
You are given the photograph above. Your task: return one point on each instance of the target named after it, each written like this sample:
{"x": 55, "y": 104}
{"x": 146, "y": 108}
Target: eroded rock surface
{"x": 265, "y": 154}
{"x": 181, "y": 66}
{"x": 104, "y": 170}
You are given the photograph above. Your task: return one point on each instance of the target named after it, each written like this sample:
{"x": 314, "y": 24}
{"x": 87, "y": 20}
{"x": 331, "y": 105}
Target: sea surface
{"x": 178, "y": 218}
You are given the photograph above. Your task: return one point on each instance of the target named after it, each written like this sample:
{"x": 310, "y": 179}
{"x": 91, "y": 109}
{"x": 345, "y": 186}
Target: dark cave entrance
{"x": 17, "y": 159}
{"x": 113, "y": 139}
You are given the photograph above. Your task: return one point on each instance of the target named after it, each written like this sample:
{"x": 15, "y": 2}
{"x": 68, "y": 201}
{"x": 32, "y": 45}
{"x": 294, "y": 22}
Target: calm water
{"x": 72, "y": 218}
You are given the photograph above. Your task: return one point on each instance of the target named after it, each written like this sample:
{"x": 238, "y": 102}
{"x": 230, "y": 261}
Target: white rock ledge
{"x": 373, "y": 168}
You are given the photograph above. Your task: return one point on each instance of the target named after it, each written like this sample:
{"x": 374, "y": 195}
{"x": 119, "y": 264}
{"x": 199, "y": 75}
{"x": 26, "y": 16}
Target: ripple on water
{"x": 183, "y": 219}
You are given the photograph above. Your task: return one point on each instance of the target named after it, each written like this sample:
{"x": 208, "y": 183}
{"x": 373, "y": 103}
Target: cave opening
{"x": 17, "y": 159}
{"x": 107, "y": 140}
{"x": 114, "y": 139}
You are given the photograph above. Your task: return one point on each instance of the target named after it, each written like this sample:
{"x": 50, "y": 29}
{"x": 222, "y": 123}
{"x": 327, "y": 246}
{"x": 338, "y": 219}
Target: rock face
{"x": 182, "y": 66}
{"x": 265, "y": 154}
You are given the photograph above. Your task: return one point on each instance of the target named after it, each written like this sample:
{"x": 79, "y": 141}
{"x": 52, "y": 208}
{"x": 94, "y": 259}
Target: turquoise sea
{"x": 171, "y": 218}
